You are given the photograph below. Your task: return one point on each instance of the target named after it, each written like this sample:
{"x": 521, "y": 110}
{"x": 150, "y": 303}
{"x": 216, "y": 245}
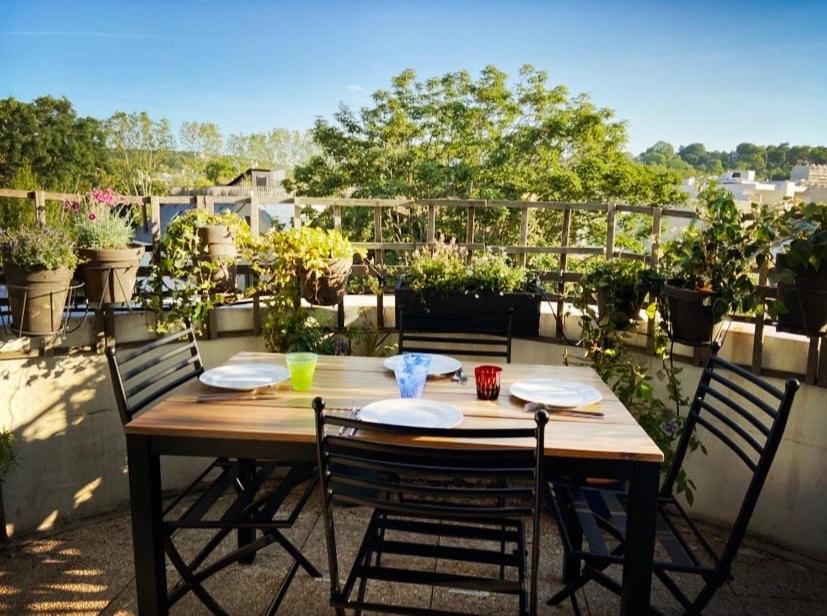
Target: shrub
{"x": 37, "y": 248}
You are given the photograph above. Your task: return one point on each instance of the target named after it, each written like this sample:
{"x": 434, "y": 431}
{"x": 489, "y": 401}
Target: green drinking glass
{"x": 302, "y": 367}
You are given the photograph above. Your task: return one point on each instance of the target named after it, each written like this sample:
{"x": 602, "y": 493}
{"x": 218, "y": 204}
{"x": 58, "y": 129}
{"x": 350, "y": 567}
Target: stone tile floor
{"x": 87, "y": 569}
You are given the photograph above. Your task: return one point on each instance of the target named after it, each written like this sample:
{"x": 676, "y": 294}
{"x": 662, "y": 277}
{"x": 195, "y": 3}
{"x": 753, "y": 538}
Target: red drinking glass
{"x": 488, "y": 382}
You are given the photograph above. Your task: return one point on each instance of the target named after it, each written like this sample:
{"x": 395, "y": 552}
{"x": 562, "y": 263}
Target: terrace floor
{"x": 86, "y": 568}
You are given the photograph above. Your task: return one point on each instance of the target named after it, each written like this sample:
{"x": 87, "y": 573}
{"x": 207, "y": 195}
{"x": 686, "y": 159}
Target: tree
{"x": 140, "y": 147}
{"x": 278, "y": 148}
{"x": 56, "y": 147}
{"x": 456, "y": 136}
{"x": 222, "y": 169}
{"x": 663, "y": 154}
{"x": 204, "y": 139}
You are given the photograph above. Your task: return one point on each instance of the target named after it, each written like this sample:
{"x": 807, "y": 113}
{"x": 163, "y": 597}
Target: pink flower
{"x": 67, "y": 204}
{"x": 103, "y": 195}
{"x": 75, "y": 206}
{"x": 92, "y": 216}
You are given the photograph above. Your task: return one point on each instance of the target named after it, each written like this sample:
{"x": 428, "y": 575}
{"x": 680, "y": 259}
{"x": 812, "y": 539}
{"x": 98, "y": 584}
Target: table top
{"x": 284, "y": 415}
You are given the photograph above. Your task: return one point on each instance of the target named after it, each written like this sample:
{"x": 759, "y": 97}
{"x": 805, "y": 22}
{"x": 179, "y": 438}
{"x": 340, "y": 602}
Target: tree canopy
{"x": 456, "y": 136}
{"x": 47, "y": 141}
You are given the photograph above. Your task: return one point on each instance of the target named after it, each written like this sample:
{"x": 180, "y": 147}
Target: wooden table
{"x": 279, "y": 425}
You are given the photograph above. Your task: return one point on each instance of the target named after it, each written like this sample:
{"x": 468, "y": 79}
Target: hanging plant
{"x": 193, "y": 270}
{"x": 294, "y": 263}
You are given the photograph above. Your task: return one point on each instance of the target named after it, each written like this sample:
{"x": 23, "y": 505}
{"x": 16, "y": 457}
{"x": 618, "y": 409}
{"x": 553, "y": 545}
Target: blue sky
{"x": 719, "y": 73}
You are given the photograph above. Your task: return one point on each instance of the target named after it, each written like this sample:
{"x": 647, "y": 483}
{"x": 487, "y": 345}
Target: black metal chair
{"x": 491, "y": 337}
{"x": 599, "y": 515}
{"x": 479, "y": 493}
{"x": 142, "y": 376}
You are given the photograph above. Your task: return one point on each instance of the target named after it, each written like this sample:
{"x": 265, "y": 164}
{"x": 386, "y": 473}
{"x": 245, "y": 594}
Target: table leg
{"x": 147, "y": 525}
{"x": 247, "y": 473}
{"x": 640, "y": 538}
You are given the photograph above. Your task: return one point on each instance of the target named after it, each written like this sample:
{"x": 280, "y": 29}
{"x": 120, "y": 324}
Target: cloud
{"x": 356, "y": 88}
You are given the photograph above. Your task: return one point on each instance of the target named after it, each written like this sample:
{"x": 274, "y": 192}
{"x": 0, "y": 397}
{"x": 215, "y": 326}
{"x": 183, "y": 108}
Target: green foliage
{"x": 281, "y": 257}
{"x": 454, "y": 136}
{"x": 805, "y": 226}
{"x": 37, "y": 248}
{"x": 606, "y": 342}
{"x": 773, "y": 162}
{"x": 187, "y": 281}
{"x": 101, "y": 219}
{"x": 8, "y": 456}
{"x": 62, "y": 151}
{"x": 140, "y": 147}
{"x": 447, "y": 267}
{"x": 715, "y": 254}
{"x": 622, "y": 284}
{"x": 222, "y": 169}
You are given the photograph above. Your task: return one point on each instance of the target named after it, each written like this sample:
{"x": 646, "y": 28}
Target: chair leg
{"x": 571, "y": 562}
{"x": 569, "y": 590}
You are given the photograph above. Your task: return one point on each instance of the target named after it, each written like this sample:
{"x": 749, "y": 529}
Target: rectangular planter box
{"x": 526, "y": 306}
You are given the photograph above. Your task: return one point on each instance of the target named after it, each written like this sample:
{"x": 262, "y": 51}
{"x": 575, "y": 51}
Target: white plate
{"x": 440, "y": 364}
{"x": 555, "y": 392}
{"x": 416, "y": 412}
{"x": 244, "y": 377}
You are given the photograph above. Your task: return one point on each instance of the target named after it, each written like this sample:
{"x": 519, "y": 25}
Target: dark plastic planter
{"x": 691, "y": 315}
{"x": 216, "y": 245}
{"x": 804, "y": 299}
{"x": 453, "y": 304}
{"x": 625, "y": 309}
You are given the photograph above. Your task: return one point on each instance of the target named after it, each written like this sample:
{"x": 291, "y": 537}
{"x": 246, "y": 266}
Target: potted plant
{"x": 443, "y": 282}
{"x": 801, "y": 270}
{"x": 320, "y": 258}
{"x": 39, "y": 263}
{"x": 619, "y": 288}
{"x": 102, "y": 223}
{"x": 301, "y": 262}
{"x": 707, "y": 270}
{"x": 195, "y": 266}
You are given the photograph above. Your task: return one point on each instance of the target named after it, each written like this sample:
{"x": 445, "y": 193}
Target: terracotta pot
{"x": 329, "y": 288}
{"x": 804, "y": 299}
{"x": 691, "y": 315}
{"x": 109, "y": 274}
{"x": 37, "y": 299}
{"x": 216, "y": 245}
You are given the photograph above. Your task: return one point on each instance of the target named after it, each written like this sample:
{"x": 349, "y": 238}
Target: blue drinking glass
{"x": 416, "y": 359}
{"x": 411, "y": 380}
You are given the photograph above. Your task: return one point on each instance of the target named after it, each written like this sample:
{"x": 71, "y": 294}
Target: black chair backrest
{"x": 374, "y": 469}
{"x": 141, "y": 376}
{"x": 763, "y": 411}
{"x": 490, "y": 337}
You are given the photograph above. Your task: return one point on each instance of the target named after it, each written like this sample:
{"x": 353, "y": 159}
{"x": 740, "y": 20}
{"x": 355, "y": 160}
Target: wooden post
{"x": 431, "y": 237}
{"x": 337, "y": 217}
{"x": 379, "y": 258}
{"x": 40, "y": 207}
{"x": 559, "y": 322}
{"x": 812, "y": 361}
{"x": 200, "y": 202}
{"x": 209, "y": 204}
{"x": 469, "y": 230}
{"x": 610, "y": 231}
{"x": 155, "y": 221}
{"x": 297, "y": 215}
{"x": 654, "y": 260}
{"x": 254, "y": 214}
{"x": 821, "y": 377}
{"x": 758, "y": 333}
{"x": 522, "y": 256}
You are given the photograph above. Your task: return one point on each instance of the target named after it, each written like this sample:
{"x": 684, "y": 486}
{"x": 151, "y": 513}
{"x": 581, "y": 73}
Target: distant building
{"x": 265, "y": 182}
{"x": 746, "y": 189}
{"x": 813, "y": 175}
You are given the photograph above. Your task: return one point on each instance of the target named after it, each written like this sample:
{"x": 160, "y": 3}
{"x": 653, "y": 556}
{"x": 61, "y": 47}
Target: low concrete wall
{"x": 72, "y": 454}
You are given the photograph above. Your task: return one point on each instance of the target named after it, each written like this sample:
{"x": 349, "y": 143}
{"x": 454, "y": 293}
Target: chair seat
{"x": 601, "y": 517}
{"x": 381, "y": 541}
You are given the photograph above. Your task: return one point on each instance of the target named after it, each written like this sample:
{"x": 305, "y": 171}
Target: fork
{"x": 352, "y": 414}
